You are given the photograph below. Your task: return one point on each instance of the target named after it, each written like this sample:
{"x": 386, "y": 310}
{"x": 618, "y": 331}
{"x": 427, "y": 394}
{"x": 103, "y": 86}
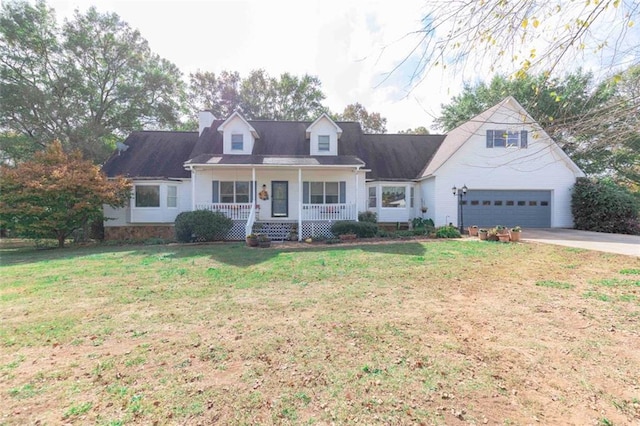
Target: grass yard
{"x": 414, "y": 332}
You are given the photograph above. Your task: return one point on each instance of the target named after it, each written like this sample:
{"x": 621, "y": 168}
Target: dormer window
{"x": 237, "y": 142}
{"x": 324, "y": 143}
{"x": 506, "y": 139}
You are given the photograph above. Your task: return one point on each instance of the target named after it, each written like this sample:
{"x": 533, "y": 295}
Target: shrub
{"x": 361, "y": 229}
{"x": 368, "y": 216}
{"x": 603, "y": 206}
{"x": 448, "y": 231}
{"x": 201, "y": 225}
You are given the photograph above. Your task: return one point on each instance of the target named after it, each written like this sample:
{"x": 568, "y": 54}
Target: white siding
{"x": 264, "y": 176}
{"x": 428, "y": 195}
{"x": 396, "y": 214}
{"x": 541, "y": 166}
{"x": 234, "y": 127}
{"x": 324, "y": 127}
{"x": 163, "y": 214}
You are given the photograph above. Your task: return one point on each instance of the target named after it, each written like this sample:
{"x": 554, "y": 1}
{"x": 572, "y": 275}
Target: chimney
{"x": 205, "y": 119}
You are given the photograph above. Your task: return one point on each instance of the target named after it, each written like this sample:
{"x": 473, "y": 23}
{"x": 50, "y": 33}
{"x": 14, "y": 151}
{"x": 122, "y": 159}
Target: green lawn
{"x": 430, "y": 332}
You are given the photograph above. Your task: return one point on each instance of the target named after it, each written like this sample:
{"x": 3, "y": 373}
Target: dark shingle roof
{"x": 395, "y": 157}
{"x": 162, "y": 154}
{"x": 153, "y": 154}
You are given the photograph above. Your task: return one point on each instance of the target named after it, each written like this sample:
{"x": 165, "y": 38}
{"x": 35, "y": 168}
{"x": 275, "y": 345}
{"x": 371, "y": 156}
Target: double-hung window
{"x": 507, "y": 138}
{"x": 373, "y": 199}
{"x": 231, "y": 192}
{"x": 324, "y": 192}
{"x": 237, "y": 142}
{"x": 324, "y": 143}
{"x": 172, "y": 196}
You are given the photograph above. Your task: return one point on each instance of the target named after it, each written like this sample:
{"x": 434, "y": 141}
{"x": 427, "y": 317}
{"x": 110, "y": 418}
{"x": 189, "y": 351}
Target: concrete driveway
{"x": 599, "y": 241}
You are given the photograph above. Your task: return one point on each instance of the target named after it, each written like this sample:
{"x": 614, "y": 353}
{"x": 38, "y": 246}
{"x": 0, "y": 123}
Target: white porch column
{"x": 255, "y": 186}
{"x": 193, "y": 188}
{"x": 299, "y": 204}
{"x": 357, "y": 191}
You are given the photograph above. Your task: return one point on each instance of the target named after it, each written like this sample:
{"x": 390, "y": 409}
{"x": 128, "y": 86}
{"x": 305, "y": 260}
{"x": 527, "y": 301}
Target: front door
{"x": 279, "y": 198}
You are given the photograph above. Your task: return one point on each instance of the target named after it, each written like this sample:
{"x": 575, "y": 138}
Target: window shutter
{"x": 305, "y": 192}
{"x": 524, "y": 143}
{"x": 489, "y": 138}
{"x": 215, "y": 195}
{"x": 343, "y": 192}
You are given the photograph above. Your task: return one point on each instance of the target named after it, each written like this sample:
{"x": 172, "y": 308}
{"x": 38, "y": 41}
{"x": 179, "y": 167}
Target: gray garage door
{"x": 529, "y": 209}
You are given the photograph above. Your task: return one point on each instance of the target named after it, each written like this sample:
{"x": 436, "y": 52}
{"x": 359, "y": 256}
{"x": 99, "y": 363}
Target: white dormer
{"x": 238, "y": 136}
{"x": 323, "y": 135}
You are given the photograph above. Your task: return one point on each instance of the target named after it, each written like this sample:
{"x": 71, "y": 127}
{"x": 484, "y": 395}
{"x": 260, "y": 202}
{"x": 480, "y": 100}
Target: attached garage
{"x": 488, "y": 208}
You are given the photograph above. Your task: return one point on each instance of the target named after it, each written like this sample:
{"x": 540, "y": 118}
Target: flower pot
{"x": 252, "y": 241}
{"x": 515, "y": 235}
{"x": 504, "y": 238}
{"x": 473, "y": 231}
{"x": 483, "y": 235}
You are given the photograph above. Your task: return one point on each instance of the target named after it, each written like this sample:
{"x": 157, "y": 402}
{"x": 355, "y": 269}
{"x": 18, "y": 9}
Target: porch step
{"x": 276, "y": 231}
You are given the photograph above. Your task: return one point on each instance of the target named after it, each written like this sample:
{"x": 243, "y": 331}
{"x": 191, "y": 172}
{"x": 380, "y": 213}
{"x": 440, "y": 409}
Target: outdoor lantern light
{"x": 460, "y": 193}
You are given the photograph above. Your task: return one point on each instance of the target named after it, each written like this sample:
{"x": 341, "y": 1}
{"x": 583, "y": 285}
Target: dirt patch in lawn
{"x": 439, "y": 333}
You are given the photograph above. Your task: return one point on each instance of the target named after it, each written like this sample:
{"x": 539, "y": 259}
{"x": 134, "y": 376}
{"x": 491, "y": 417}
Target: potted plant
{"x": 503, "y": 233}
{"x": 473, "y": 231}
{"x": 516, "y": 231}
{"x": 492, "y": 235}
{"x": 252, "y": 240}
{"x": 264, "y": 241}
{"x": 483, "y": 233}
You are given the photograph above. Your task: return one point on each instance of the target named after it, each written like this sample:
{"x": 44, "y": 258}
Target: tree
{"x": 370, "y": 122}
{"x": 597, "y": 124}
{"x": 219, "y": 94}
{"x": 258, "y": 96}
{"x": 421, "y": 130}
{"x": 85, "y": 83}
{"x": 524, "y": 35}
{"x": 56, "y": 193}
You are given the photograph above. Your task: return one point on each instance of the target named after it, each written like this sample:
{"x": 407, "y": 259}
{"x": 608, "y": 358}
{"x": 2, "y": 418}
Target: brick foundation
{"x": 144, "y": 232}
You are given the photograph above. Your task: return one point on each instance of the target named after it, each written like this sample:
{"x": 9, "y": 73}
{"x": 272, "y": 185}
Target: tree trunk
{"x": 61, "y": 238}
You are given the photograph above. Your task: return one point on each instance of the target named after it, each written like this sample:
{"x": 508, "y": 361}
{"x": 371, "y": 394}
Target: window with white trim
{"x": 231, "y": 192}
{"x": 324, "y": 192}
{"x": 237, "y": 142}
{"x": 394, "y": 196}
{"x": 373, "y": 199}
{"x": 147, "y": 196}
{"x": 172, "y": 196}
{"x": 324, "y": 142}
{"x": 507, "y": 138}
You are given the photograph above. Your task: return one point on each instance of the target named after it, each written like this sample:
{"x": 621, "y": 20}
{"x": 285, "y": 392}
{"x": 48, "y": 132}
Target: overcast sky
{"x": 350, "y": 45}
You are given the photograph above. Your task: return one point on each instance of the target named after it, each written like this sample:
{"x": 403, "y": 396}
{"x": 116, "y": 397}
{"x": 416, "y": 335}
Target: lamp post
{"x": 460, "y": 193}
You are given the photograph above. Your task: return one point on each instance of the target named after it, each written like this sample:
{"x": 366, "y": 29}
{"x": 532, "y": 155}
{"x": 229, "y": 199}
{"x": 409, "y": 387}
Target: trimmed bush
{"x": 368, "y": 216}
{"x": 202, "y": 225}
{"x": 447, "y": 232}
{"x": 603, "y": 206}
{"x": 361, "y": 229}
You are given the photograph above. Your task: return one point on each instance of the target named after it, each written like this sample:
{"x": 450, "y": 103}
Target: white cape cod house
{"x": 283, "y": 175}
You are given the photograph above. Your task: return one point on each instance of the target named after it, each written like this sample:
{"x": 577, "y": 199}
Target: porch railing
{"x": 231, "y": 210}
{"x": 331, "y": 212}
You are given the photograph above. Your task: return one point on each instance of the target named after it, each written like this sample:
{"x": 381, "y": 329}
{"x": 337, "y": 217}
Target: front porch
{"x": 315, "y": 219}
